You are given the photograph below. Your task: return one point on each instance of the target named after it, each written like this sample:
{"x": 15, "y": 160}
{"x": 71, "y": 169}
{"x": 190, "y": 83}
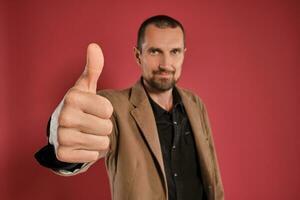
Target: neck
{"x": 163, "y": 98}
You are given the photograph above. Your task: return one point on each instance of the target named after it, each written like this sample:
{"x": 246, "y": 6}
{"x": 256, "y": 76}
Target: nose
{"x": 166, "y": 62}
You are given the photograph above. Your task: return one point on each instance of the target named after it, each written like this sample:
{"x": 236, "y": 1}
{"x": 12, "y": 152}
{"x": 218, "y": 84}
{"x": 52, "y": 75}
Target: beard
{"x": 161, "y": 84}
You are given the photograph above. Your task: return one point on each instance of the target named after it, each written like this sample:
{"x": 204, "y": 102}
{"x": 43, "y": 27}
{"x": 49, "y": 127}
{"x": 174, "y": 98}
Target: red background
{"x": 242, "y": 59}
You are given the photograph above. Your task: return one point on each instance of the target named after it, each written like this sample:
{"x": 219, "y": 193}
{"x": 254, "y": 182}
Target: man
{"x": 155, "y": 136}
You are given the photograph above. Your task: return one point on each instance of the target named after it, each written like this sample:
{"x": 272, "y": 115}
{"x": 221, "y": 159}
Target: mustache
{"x": 161, "y": 70}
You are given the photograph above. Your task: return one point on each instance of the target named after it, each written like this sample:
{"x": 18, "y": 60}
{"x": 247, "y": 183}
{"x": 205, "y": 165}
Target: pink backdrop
{"x": 242, "y": 59}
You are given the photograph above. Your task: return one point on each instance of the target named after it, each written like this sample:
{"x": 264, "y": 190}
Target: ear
{"x": 137, "y": 55}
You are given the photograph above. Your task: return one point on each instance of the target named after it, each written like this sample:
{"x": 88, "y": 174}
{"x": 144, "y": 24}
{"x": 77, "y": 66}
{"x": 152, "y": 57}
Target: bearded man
{"x": 155, "y": 137}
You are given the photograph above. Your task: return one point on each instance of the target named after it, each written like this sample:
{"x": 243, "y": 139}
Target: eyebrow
{"x": 154, "y": 49}
{"x": 160, "y": 50}
{"x": 177, "y": 49}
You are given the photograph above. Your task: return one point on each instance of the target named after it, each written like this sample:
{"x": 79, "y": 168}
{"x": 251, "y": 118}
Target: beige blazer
{"x": 135, "y": 164}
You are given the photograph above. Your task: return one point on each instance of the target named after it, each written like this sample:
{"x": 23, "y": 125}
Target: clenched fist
{"x": 84, "y": 121}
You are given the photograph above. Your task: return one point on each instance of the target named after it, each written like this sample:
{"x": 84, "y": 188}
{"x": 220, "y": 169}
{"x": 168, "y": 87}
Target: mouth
{"x": 164, "y": 74}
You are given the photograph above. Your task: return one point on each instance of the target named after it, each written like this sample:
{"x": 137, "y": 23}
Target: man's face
{"x": 161, "y": 57}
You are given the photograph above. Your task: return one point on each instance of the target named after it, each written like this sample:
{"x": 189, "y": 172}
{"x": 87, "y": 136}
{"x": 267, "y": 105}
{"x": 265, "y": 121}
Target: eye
{"x": 175, "y": 51}
{"x": 153, "y": 52}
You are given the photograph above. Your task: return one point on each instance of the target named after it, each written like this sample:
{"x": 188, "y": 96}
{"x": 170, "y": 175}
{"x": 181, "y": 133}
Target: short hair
{"x": 160, "y": 21}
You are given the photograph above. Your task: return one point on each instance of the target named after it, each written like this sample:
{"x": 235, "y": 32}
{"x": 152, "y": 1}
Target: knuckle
{"x": 67, "y": 118}
{"x": 64, "y": 119}
{"x": 108, "y": 108}
{"x": 105, "y": 143}
{"x": 60, "y": 154}
{"x": 109, "y": 126}
{"x": 63, "y": 138}
{"x": 71, "y": 98}
{"x": 94, "y": 156}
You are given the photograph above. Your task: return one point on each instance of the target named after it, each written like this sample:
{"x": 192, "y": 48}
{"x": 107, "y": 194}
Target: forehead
{"x": 163, "y": 37}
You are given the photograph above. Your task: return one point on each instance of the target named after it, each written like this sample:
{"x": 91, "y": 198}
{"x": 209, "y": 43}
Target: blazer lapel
{"x": 144, "y": 117}
{"x": 203, "y": 150}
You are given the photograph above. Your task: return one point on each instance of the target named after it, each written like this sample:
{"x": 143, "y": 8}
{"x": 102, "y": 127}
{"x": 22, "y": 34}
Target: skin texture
{"x": 84, "y": 121}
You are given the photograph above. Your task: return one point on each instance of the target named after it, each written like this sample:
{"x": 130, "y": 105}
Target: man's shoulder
{"x": 189, "y": 94}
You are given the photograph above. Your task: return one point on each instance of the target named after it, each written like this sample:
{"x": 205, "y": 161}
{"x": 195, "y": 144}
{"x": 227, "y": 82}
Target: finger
{"x": 97, "y": 106}
{"x": 67, "y": 154}
{"x": 94, "y": 65}
{"x": 77, "y": 140}
{"x": 95, "y": 125}
{"x": 84, "y": 122}
{"x": 89, "y": 103}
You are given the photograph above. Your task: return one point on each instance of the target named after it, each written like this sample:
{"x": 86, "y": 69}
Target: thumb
{"x": 94, "y": 65}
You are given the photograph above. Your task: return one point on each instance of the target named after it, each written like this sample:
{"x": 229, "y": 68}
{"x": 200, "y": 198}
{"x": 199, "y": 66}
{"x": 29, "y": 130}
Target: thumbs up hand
{"x": 84, "y": 121}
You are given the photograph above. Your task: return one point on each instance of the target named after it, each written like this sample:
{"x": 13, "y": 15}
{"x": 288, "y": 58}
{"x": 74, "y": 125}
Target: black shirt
{"x": 179, "y": 151}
